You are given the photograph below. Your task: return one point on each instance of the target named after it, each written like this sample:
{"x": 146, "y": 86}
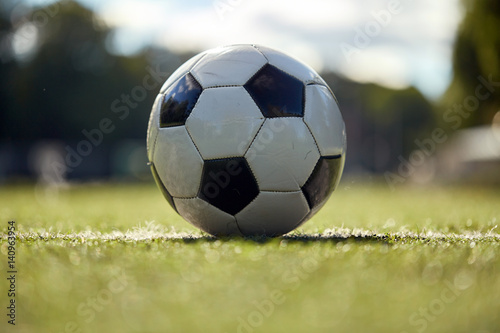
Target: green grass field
{"x": 116, "y": 258}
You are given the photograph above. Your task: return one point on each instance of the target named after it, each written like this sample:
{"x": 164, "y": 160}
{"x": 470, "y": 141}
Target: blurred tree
{"x": 381, "y": 123}
{"x": 476, "y": 53}
{"x": 6, "y": 66}
{"x": 69, "y": 79}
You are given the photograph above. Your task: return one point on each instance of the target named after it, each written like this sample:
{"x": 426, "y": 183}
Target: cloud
{"x": 415, "y": 44}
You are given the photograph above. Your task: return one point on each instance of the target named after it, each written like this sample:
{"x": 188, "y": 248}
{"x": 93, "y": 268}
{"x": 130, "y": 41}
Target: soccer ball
{"x": 245, "y": 140}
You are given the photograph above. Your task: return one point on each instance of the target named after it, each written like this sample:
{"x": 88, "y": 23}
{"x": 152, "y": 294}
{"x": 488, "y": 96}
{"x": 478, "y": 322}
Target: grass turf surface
{"x": 115, "y": 258}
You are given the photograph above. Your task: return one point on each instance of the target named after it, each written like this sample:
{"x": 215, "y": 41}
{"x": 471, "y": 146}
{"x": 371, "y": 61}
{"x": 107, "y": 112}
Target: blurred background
{"x": 418, "y": 82}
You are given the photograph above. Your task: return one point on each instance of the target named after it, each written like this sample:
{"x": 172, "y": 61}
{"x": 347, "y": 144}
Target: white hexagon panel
{"x": 290, "y": 65}
{"x": 273, "y": 213}
{"x": 283, "y": 154}
{"x": 227, "y": 66}
{"x": 224, "y": 122}
{"x": 322, "y": 116}
{"x": 207, "y": 217}
{"x": 154, "y": 120}
{"x": 179, "y": 165}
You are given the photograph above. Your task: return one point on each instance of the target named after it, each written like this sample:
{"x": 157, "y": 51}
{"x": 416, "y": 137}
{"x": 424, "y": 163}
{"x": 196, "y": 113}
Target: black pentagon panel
{"x": 162, "y": 187}
{"x": 228, "y": 184}
{"x": 179, "y": 101}
{"x": 276, "y": 93}
{"x": 322, "y": 180}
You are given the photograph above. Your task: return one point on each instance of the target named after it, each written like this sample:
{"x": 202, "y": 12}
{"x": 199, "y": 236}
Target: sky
{"x": 395, "y": 43}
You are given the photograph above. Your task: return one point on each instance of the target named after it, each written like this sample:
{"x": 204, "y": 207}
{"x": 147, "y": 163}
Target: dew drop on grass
{"x": 432, "y": 273}
{"x": 346, "y": 248}
{"x": 464, "y": 279}
{"x": 389, "y": 223}
{"x": 212, "y": 256}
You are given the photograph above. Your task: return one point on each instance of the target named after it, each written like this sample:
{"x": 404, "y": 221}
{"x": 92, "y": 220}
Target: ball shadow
{"x": 295, "y": 238}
